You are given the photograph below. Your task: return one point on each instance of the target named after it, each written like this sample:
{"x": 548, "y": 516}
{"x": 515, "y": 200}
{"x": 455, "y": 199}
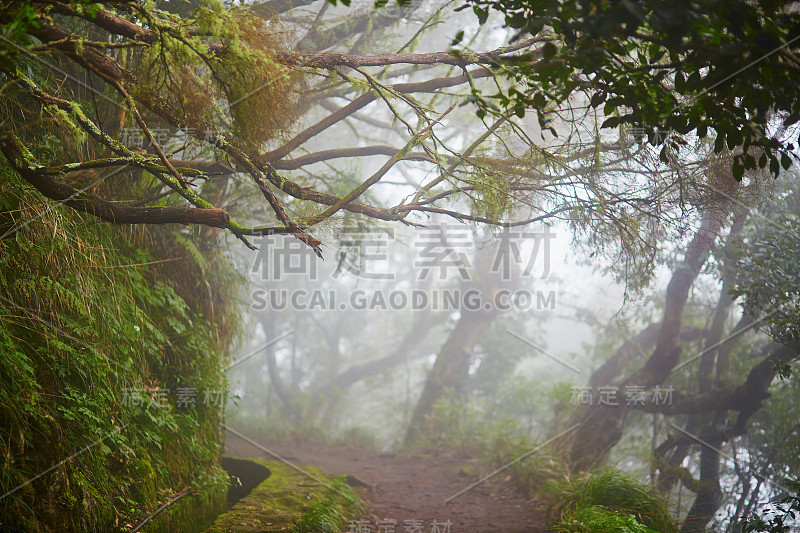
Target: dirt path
{"x": 405, "y": 488}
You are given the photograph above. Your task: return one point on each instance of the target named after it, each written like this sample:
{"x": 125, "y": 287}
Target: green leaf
{"x": 737, "y": 169}
{"x": 481, "y": 13}
{"x": 679, "y": 82}
{"x": 719, "y": 143}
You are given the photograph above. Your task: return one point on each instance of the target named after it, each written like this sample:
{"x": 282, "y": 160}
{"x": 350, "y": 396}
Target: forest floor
{"x": 403, "y": 488}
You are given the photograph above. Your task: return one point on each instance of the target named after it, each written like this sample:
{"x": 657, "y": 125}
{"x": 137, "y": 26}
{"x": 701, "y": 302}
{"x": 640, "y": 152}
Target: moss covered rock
{"x": 297, "y": 500}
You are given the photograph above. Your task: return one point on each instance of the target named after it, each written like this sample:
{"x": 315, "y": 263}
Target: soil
{"x": 403, "y": 487}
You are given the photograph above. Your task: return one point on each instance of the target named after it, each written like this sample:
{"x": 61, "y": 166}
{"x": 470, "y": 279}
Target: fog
{"x": 500, "y": 266}
{"x": 360, "y": 332}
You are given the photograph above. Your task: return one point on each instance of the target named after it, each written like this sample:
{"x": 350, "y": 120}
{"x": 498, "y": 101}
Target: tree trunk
{"x": 601, "y": 428}
{"x": 450, "y": 370}
{"x": 709, "y": 494}
{"x": 289, "y": 406}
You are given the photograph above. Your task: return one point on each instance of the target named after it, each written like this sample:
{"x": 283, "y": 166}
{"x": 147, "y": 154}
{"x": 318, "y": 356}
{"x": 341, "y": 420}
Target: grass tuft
{"x": 614, "y": 492}
{"x": 598, "y": 519}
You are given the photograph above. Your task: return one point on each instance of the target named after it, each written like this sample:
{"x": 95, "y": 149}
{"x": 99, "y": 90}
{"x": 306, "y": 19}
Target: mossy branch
{"x": 23, "y": 161}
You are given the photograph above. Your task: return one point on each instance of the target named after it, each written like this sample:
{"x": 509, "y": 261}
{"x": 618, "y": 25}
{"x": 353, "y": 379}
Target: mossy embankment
{"x": 113, "y": 347}
{"x": 294, "y": 501}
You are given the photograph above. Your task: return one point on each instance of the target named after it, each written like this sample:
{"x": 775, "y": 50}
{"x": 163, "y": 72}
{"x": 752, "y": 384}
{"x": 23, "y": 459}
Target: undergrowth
{"x": 328, "y": 513}
{"x": 598, "y": 519}
{"x": 601, "y": 502}
{"x": 494, "y": 443}
{"x": 619, "y": 497}
{"x": 100, "y": 329}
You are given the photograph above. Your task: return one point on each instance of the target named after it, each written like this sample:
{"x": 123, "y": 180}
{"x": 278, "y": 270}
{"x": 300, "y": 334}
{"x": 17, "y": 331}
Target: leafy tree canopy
{"x": 725, "y": 67}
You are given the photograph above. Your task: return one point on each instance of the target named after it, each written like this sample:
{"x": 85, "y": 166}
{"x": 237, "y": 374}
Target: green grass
{"x": 598, "y": 519}
{"x": 324, "y": 516}
{"x": 609, "y": 496}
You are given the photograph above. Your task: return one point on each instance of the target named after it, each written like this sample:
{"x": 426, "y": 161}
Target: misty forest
{"x": 413, "y": 266}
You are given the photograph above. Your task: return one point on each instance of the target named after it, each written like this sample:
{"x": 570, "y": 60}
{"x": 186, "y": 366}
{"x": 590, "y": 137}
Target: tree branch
{"x": 25, "y": 164}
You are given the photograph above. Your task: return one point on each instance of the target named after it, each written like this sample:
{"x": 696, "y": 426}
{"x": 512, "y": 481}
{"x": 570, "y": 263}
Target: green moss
{"x": 192, "y": 513}
{"x": 289, "y": 500}
{"x": 90, "y": 316}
